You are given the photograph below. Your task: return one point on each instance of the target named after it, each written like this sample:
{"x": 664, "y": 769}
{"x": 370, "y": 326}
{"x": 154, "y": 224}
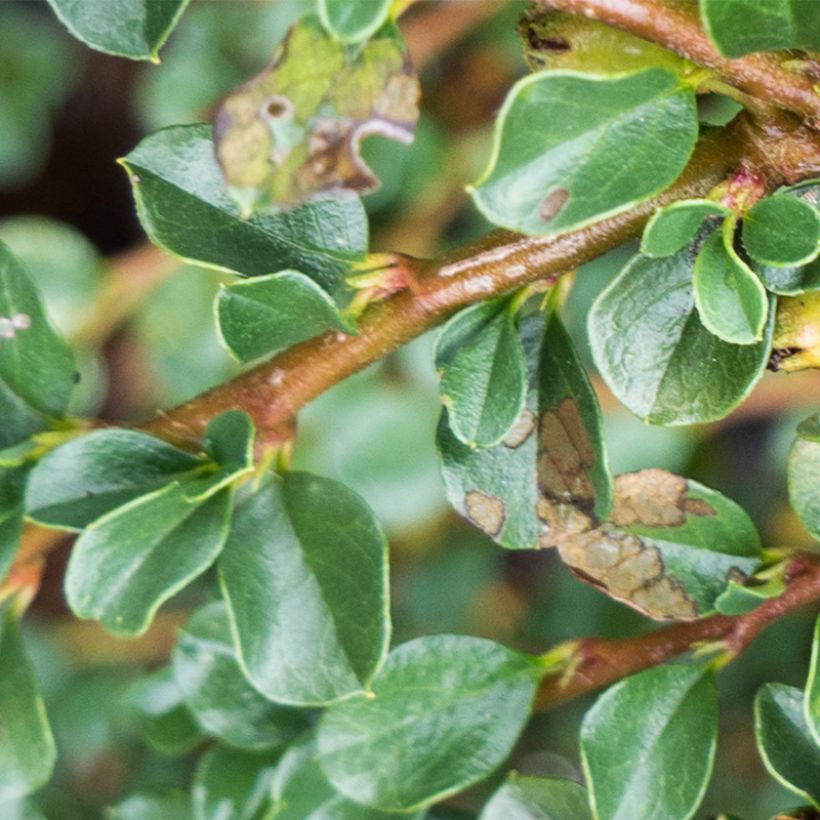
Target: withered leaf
{"x": 293, "y": 132}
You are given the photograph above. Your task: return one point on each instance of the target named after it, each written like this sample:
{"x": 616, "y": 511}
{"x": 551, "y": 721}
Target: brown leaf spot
{"x": 552, "y": 203}
{"x": 520, "y": 431}
{"x": 485, "y": 511}
{"x": 654, "y": 498}
{"x": 565, "y": 454}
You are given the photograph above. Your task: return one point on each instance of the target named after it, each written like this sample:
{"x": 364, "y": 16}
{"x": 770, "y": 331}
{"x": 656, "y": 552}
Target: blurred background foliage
{"x": 66, "y": 114}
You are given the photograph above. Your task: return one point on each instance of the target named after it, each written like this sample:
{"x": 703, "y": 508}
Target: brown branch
{"x": 596, "y": 662}
{"x": 678, "y": 29}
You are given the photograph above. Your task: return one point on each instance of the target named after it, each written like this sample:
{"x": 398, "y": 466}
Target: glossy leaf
{"x": 811, "y": 701}
{"x": 147, "y": 806}
{"x": 12, "y": 486}
{"x": 483, "y": 373}
{"x": 672, "y": 228}
{"x": 261, "y": 316}
{"x": 301, "y": 790}
{"x": 232, "y": 785}
{"x": 164, "y": 719}
{"x": 304, "y": 574}
{"x": 631, "y": 742}
{"x": 786, "y": 745}
{"x": 655, "y": 354}
{"x": 293, "y": 132}
{"x": 737, "y": 27}
{"x": 738, "y": 599}
{"x": 353, "y": 20}
{"x": 446, "y": 712}
{"x": 36, "y": 366}
{"x": 560, "y": 135}
{"x": 94, "y": 474}
{"x": 214, "y": 688}
{"x": 782, "y": 230}
{"x": 126, "y": 28}
{"x": 228, "y": 440}
{"x": 730, "y": 298}
{"x": 127, "y": 563}
{"x": 184, "y": 208}
{"x": 804, "y": 474}
{"x": 537, "y": 798}
{"x": 27, "y": 751}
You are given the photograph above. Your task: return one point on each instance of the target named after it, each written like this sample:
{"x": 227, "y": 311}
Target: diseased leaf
{"x": 184, "y": 207}
{"x": 737, "y": 27}
{"x": 804, "y": 474}
{"x": 91, "y": 475}
{"x": 811, "y": 700}
{"x": 786, "y": 745}
{"x": 672, "y": 228}
{"x": 224, "y": 703}
{"x": 27, "y": 751}
{"x": 293, "y": 132}
{"x": 730, "y": 298}
{"x": 632, "y": 741}
{"x": 126, "y": 28}
{"x": 537, "y": 798}
{"x": 655, "y": 354}
{"x": 304, "y": 574}
{"x": 232, "y": 785}
{"x": 483, "y": 373}
{"x": 782, "y": 230}
{"x": 264, "y": 315}
{"x": 353, "y": 20}
{"x": 127, "y": 563}
{"x": 544, "y": 177}
{"x": 446, "y": 711}
{"x": 36, "y": 365}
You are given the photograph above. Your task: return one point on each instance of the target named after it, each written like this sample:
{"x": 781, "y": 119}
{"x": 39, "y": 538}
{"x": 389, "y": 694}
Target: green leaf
{"x": 782, "y": 230}
{"x": 672, "y": 228}
{"x": 791, "y": 281}
{"x": 232, "y": 785}
{"x": 353, "y": 20}
{"x": 495, "y": 487}
{"x": 36, "y": 366}
{"x": 811, "y": 701}
{"x": 126, "y": 28}
{"x": 730, "y": 298}
{"x": 264, "y": 315}
{"x": 301, "y": 790}
{"x": 94, "y": 474}
{"x": 633, "y": 741}
{"x": 786, "y": 745}
{"x": 483, "y": 373}
{"x": 12, "y": 487}
{"x": 184, "y": 208}
{"x": 165, "y": 721}
{"x": 804, "y": 474}
{"x": 737, "y": 27}
{"x": 292, "y": 133}
{"x": 27, "y": 751}
{"x": 127, "y": 563}
{"x": 228, "y": 440}
{"x": 656, "y": 356}
{"x": 570, "y": 149}
{"x": 537, "y": 798}
{"x": 307, "y": 551}
{"x": 225, "y": 705}
{"x": 146, "y": 806}
{"x": 446, "y": 712}
{"x": 738, "y": 599}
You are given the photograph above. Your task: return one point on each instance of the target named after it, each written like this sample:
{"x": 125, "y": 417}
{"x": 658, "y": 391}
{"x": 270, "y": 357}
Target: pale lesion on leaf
{"x": 520, "y": 431}
{"x": 654, "y": 498}
{"x": 487, "y": 512}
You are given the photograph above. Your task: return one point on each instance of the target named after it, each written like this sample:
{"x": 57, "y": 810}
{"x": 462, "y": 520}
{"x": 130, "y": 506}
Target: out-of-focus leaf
{"x": 146, "y": 806}
{"x": 353, "y": 20}
{"x": 811, "y": 701}
{"x": 544, "y": 178}
{"x": 304, "y": 576}
{"x": 782, "y": 230}
{"x": 12, "y": 488}
{"x": 655, "y": 354}
{"x": 737, "y": 27}
{"x": 216, "y": 691}
{"x": 537, "y": 798}
{"x": 788, "y": 749}
{"x": 127, "y": 28}
{"x": 36, "y": 366}
{"x": 263, "y": 315}
{"x": 672, "y": 228}
{"x": 27, "y": 751}
{"x": 483, "y": 373}
{"x": 446, "y": 712}
{"x": 804, "y": 474}
{"x": 631, "y": 742}
{"x": 185, "y": 208}
{"x": 293, "y": 132}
